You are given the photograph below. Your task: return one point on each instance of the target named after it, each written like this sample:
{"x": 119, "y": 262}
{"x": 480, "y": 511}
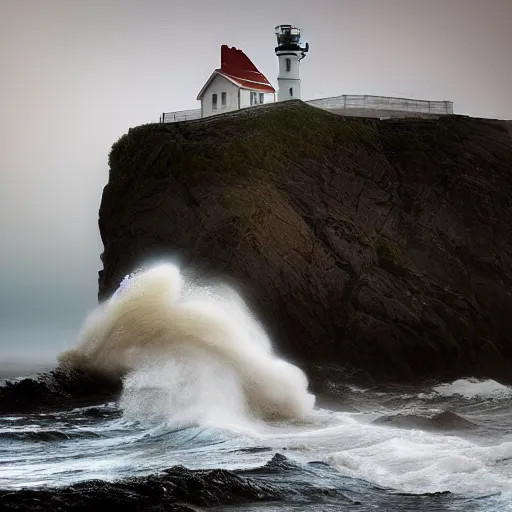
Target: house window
{"x": 288, "y": 65}
{"x": 224, "y": 99}
{"x": 291, "y": 92}
{"x": 253, "y": 98}
{"x": 214, "y": 101}
{"x": 262, "y": 98}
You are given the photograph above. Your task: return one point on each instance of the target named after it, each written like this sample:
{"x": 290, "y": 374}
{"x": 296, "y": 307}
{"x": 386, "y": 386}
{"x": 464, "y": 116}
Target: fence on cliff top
{"x": 368, "y": 102}
{"x": 180, "y": 115}
{"x": 345, "y": 103}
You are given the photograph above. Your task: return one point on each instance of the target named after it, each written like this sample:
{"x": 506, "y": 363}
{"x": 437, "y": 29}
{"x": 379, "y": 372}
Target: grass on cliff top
{"x": 252, "y": 143}
{"x": 264, "y": 141}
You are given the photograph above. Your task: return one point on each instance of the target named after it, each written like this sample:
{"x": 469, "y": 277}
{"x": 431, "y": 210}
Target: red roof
{"x": 235, "y": 65}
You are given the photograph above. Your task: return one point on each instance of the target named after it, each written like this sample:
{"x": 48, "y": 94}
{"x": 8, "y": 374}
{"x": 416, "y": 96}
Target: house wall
{"x": 245, "y": 98}
{"x": 219, "y": 85}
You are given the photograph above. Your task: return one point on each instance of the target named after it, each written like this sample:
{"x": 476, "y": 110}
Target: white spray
{"x": 188, "y": 354}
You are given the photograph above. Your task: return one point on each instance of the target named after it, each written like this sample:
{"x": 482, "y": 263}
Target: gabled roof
{"x": 236, "y": 67}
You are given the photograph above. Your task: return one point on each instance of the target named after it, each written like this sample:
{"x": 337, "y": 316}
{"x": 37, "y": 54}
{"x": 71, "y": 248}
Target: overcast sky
{"x": 76, "y": 74}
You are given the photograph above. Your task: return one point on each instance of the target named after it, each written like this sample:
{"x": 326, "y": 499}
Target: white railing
{"x": 383, "y": 103}
{"x": 345, "y": 102}
{"x": 181, "y": 115}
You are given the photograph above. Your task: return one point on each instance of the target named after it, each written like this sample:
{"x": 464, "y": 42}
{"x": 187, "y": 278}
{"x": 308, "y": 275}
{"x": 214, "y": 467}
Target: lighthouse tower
{"x": 290, "y": 52}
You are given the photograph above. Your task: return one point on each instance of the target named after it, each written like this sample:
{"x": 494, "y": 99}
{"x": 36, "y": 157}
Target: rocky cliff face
{"x": 380, "y": 245}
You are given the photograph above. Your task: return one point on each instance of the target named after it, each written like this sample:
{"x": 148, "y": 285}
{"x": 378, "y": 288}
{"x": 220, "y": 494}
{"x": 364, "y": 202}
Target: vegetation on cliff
{"x": 384, "y": 245}
{"x": 252, "y": 144}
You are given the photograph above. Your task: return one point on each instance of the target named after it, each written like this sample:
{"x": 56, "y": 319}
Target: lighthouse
{"x": 290, "y": 51}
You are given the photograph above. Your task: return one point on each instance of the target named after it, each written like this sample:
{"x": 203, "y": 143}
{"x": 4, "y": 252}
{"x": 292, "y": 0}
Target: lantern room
{"x": 288, "y": 38}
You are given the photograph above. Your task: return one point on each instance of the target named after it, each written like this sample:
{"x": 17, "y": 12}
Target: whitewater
{"x": 203, "y": 387}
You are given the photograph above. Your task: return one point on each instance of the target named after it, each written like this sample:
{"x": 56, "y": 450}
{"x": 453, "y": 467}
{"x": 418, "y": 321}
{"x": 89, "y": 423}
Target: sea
{"x": 207, "y": 416}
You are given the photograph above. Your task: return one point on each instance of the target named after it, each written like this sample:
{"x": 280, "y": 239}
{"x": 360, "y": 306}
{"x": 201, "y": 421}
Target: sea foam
{"x": 190, "y": 354}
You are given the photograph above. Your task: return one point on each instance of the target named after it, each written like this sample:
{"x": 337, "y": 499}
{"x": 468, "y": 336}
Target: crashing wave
{"x": 186, "y": 352}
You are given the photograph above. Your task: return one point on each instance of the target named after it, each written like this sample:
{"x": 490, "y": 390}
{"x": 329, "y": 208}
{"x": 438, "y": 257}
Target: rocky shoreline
{"x": 278, "y": 485}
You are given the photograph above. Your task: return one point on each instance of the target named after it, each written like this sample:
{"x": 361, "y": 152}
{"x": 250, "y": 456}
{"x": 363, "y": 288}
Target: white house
{"x": 236, "y": 84}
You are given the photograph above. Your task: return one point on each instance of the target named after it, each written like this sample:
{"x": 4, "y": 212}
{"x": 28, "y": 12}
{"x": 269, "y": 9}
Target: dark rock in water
{"x": 276, "y": 464}
{"x": 179, "y": 489}
{"x": 383, "y": 245}
{"x": 450, "y": 420}
{"x": 58, "y": 389}
{"x": 446, "y": 420}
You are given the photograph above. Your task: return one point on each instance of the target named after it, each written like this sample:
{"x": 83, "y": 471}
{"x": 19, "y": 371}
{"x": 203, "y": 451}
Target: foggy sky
{"x": 76, "y": 74}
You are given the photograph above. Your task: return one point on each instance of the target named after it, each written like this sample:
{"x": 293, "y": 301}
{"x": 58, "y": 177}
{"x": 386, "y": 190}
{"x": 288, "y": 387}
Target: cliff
{"x": 379, "y": 245}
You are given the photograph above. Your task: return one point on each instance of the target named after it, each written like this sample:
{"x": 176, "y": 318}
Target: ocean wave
{"x": 47, "y": 435}
{"x": 413, "y": 461}
{"x": 280, "y": 484}
{"x": 474, "y": 388}
{"x": 188, "y": 354}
